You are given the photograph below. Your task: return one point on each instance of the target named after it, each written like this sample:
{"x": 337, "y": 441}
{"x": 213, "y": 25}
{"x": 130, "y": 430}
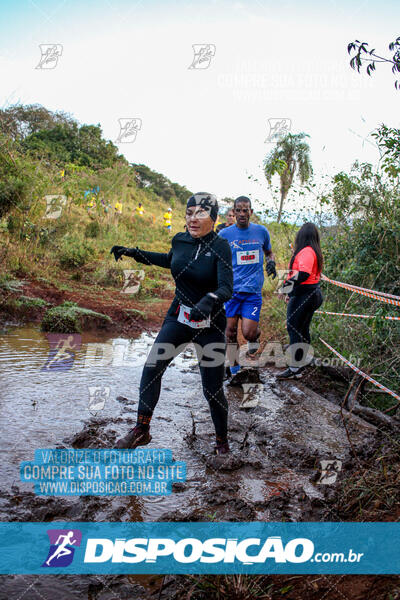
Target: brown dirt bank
{"x": 130, "y": 315}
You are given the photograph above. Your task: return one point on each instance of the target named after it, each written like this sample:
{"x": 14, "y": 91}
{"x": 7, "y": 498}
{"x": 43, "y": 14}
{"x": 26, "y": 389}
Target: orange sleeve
{"x": 305, "y": 260}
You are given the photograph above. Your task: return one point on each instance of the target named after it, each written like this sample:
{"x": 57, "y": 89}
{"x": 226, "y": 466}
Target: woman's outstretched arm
{"x": 159, "y": 259}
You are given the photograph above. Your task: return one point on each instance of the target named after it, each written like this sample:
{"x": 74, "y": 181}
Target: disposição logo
{"x": 62, "y": 547}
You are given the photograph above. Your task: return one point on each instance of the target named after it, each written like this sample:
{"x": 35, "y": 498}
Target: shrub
{"x": 69, "y": 318}
{"x": 30, "y": 302}
{"x": 73, "y": 254}
{"x": 62, "y": 319}
{"x": 108, "y": 276}
{"x": 92, "y": 229}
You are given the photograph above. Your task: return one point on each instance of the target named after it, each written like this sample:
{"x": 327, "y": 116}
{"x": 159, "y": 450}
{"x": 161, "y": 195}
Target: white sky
{"x": 206, "y": 129}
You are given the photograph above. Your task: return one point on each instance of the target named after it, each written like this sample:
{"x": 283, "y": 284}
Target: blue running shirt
{"x": 247, "y": 247}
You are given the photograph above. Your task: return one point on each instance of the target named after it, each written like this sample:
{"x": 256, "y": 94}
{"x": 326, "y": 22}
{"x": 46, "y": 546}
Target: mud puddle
{"x": 279, "y": 434}
{"x": 53, "y": 408}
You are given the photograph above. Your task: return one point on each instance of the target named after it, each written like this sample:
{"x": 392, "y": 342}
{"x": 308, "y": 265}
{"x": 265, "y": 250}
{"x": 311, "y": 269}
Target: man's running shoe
{"x": 289, "y": 374}
{"x": 247, "y": 375}
{"x": 135, "y": 437}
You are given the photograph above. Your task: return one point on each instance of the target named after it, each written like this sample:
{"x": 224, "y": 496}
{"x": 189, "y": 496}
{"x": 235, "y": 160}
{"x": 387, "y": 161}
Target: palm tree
{"x": 290, "y": 157}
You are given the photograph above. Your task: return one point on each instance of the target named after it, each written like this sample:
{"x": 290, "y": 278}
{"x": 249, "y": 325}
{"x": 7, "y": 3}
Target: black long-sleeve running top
{"x": 198, "y": 266}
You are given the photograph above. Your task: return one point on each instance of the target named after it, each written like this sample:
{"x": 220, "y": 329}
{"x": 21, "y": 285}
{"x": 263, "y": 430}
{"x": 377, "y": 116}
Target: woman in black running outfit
{"x": 201, "y": 265}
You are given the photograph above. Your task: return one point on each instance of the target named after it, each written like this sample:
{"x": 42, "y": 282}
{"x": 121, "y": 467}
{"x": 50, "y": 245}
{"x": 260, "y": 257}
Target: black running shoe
{"x": 245, "y": 375}
{"x": 135, "y": 437}
{"x": 289, "y": 374}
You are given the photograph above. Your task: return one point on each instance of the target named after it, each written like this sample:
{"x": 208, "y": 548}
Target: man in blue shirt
{"x": 249, "y": 242}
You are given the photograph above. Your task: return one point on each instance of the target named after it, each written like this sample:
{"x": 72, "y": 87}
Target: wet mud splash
{"x": 279, "y": 434}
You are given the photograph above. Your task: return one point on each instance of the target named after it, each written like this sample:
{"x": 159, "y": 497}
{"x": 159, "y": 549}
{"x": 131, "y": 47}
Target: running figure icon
{"x": 62, "y": 549}
{"x": 62, "y": 352}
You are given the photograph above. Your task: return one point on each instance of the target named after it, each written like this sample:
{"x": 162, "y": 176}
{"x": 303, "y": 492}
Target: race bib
{"x": 183, "y": 317}
{"x": 247, "y": 257}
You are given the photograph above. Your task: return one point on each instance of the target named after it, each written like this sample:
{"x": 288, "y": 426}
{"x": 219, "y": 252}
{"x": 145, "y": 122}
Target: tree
{"x": 363, "y": 55}
{"x": 69, "y": 143}
{"x": 388, "y": 140}
{"x": 57, "y": 137}
{"x": 289, "y": 158}
{"x": 159, "y": 184}
{"x": 20, "y": 121}
{"x": 22, "y": 180}
{"x": 371, "y": 193}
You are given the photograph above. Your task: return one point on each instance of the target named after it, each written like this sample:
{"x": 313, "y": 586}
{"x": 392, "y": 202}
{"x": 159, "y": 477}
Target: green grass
{"x": 8, "y": 284}
{"x": 30, "y": 302}
{"x": 135, "y": 311}
{"x": 68, "y": 318}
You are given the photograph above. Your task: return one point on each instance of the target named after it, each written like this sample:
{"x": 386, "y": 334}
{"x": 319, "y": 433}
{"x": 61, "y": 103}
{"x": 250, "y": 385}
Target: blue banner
{"x": 89, "y": 472}
{"x": 213, "y": 548}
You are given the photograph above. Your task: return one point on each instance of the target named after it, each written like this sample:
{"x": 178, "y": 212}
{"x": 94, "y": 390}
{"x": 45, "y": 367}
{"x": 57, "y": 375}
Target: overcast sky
{"x": 207, "y": 128}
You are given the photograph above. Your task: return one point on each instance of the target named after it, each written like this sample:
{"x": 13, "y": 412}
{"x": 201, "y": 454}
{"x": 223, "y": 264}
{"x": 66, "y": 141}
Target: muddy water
{"x": 279, "y": 433}
{"x": 51, "y": 408}
{"x": 48, "y": 409}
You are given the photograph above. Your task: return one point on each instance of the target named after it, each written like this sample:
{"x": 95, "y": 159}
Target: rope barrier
{"x": 357, "y": 370}
{"x": 381, "y": 296}
{"x": 327, "y": 312}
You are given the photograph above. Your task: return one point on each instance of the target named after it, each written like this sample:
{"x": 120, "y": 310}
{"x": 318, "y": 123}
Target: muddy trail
{"x": 279, "y": 434}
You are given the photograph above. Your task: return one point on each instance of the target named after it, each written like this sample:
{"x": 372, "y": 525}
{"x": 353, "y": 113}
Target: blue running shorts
{"x": 244, "y": 304}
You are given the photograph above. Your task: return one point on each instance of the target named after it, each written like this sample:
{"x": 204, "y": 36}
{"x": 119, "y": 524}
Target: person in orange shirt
{"x": 303, "y": 296}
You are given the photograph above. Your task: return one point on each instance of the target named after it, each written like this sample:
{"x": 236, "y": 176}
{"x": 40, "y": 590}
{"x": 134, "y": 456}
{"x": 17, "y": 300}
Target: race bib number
{"x": 183, "y": 317}
{"x": 247, "y": 257}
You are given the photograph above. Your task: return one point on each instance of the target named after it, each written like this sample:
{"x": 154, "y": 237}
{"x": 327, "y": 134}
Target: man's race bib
{"x": 247, "y": 257}
{"x": 183, "y": 317}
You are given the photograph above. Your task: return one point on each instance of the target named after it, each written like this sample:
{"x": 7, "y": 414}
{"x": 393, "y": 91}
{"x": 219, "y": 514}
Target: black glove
{"x": 271, "y": 268}
{"x": 120, "y": 251}
{"x": 202, "y": 310}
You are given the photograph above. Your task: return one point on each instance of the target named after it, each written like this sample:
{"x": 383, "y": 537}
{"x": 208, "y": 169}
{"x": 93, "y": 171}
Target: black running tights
{"x": 171, "y": 339}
